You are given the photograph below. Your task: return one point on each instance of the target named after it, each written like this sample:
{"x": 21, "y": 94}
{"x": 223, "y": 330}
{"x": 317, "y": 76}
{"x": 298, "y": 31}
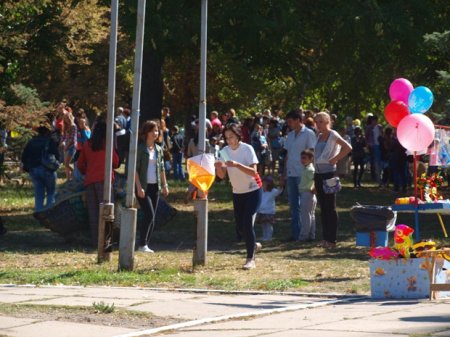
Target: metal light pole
{"x": 201, "y": 206}
{"x": 106, "y": 213}
{"x": 129, "y": 214}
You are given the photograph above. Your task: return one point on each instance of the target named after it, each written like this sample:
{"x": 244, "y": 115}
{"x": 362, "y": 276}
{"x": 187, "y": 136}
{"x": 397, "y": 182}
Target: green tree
{"x": 438, "y": 45}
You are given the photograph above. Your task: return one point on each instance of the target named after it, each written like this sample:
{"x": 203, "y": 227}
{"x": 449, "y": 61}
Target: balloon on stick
{"x": 400, "y": 89}
{"x": 415, "y": 132}
{"x": 420, "y": 100}
{"x": 395, "y": 111}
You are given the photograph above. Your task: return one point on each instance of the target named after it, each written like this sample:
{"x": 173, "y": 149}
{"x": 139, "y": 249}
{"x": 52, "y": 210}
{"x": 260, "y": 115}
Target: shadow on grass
{"x": 335, "y": 279}
{"x": 26, "y": 235}
{"x": 40, "y": 242}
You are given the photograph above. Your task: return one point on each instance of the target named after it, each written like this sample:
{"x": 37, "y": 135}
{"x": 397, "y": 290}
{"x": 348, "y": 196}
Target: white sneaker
{"x": 258, "y": 246}
{"x": 249, "y": 264}
{"x": 145, "y": 249}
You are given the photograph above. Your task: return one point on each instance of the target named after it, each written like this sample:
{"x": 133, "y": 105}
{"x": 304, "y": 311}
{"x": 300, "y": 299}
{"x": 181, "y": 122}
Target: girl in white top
{"x": 239, "y": 160}
{"x": 266, "y": 211}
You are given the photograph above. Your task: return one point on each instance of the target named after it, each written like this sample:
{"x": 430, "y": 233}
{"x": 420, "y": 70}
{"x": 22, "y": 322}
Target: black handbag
{"x": 48, "y": 160}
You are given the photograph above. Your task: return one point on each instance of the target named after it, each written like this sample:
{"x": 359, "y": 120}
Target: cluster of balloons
{"x": 415, "y": 131}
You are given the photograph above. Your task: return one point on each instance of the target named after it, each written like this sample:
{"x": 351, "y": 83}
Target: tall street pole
{"x": 129, "y": 214}
{"x": 201, "y": 206}
{"x": 106, "y": 213}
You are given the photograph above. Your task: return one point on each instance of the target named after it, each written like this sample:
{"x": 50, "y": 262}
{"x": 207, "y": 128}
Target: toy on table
{"x": 383, "y": 253}
{"x": 424, "y": 245}
{"x": 403, "y": 240}
{"x": 428, "y": 187}
{"x": 407, "y": 201}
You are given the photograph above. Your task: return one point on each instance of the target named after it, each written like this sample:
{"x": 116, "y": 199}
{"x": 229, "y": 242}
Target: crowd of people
{"x": 302, "y": 150}
{"x": 303, "y": 156}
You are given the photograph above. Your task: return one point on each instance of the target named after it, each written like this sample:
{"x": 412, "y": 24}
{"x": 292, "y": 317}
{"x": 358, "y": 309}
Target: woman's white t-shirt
{"x": 151, "y": 171}
{"x": 240, "y": 181}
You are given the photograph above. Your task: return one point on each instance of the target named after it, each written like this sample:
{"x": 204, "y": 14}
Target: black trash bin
{"x": 369, "y": 218}
{"x": 372, "y": 224}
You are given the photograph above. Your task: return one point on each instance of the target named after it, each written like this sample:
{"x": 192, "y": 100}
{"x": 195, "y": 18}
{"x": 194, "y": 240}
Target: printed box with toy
{"x": 399, "y": 278}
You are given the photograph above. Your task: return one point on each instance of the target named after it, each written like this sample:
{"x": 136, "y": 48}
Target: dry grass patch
{"x": 31, "y": 254}
{"x": 119, "y": 317}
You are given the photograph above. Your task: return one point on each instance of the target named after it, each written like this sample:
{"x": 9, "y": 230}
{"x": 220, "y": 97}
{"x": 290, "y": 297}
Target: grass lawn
{"x": 32, "y": 254}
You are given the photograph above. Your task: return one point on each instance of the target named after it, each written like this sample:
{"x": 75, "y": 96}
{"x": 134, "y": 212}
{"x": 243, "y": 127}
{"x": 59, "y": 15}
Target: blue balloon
{"x": 420, "y": 100}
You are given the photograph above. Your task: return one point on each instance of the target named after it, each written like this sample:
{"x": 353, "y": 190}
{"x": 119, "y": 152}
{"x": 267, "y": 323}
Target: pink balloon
{"x": 400, "y": 90}
{"x": 415, "y": 132}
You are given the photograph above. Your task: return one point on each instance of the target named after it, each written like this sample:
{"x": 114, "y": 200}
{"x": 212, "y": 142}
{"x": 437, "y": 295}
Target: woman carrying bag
{"x": 33, "y": 161}
{"x": 150, "y": 180}
{"x": 329, "y": 149}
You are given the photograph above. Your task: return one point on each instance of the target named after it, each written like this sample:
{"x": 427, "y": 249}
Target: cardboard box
{"x": 372, "y": 239}
{"x": 442, "y": 276}
{"x": 402, "y": 278}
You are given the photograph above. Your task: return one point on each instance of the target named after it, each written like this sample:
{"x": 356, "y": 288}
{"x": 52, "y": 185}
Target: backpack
{"x": 48, "y": 160}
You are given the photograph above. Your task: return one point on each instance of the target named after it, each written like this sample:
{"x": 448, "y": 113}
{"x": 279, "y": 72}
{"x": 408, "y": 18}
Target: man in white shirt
{"x": 298, "y": 139}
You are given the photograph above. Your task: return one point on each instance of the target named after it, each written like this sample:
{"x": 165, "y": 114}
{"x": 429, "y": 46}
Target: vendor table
{"x": 437, "y": 208}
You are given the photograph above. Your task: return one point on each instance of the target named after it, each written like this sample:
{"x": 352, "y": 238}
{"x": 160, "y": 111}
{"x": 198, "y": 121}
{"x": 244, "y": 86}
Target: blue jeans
{"x": 44, "y": 182}
{"x": 178, "y": 172}
{"x": 294, "y": 204}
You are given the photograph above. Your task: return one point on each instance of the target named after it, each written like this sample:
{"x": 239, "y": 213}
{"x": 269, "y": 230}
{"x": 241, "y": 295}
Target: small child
{"x": 265, "y": 215}
{"x": 308, "y": 199}
{"x": 214, "y": 147}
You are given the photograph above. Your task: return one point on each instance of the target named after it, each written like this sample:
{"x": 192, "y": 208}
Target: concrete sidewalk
{"x": 227, "y": 314}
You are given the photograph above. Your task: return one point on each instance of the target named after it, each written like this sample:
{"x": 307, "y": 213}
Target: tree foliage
{"x": 23, "y": 116}
{"x": 261, "y": 53}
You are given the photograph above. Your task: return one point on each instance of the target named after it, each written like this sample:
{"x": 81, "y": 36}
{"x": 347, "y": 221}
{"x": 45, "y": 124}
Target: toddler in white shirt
{"x": 265, "y": 215}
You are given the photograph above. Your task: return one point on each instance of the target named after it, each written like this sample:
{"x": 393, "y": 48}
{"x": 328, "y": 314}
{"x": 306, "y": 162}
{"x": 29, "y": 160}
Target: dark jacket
{"x": 177, "y": 143}
{"x": 142, "y": 159}
{"x": 32, "y": 154}
{"x": 358, "y": 146}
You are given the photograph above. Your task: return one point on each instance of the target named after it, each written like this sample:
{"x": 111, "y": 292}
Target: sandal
{"x": 321, "y": 244}
{"x": 329, "y": 245}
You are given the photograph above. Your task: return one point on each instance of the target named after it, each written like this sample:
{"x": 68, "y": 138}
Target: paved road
{"x": 219, "y": 314}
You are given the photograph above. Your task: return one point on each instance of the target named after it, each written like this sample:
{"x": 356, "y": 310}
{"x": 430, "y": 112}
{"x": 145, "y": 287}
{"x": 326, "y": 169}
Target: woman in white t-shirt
{"x": 239, "y": 160}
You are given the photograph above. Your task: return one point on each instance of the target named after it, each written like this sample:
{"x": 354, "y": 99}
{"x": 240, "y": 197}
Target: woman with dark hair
{"x": 150, "y": 180}
{"x": 239, "y": 160}
{"x": 44, "y": 180}
{"x": 91, "y": 163}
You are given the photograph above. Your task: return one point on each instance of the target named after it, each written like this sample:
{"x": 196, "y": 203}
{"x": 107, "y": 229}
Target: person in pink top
{"x": 214, "y": 117}
{"x": 91, "y": 163}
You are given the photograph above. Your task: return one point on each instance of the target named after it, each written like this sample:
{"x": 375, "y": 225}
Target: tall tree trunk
{"x": 152, "y": 85}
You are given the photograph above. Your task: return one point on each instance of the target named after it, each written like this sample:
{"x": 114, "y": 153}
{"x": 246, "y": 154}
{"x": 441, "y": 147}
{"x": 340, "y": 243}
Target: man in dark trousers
{"x": 177, "y": 153}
